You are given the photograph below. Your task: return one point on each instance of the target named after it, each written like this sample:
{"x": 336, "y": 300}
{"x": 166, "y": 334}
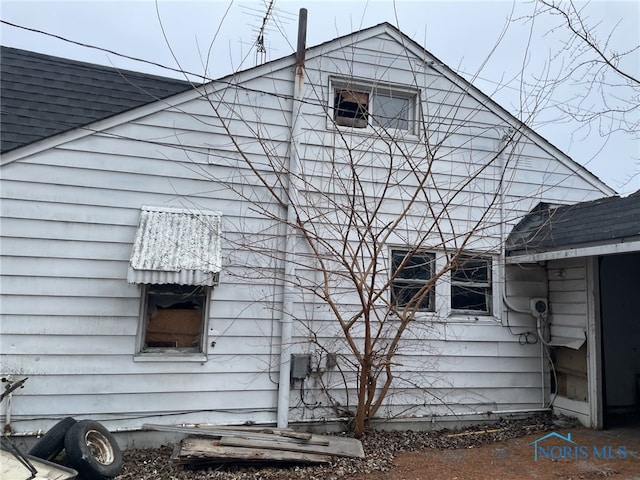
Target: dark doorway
{"x": 620, "y": 319}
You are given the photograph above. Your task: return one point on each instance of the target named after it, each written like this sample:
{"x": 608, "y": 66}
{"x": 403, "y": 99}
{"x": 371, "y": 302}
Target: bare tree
{"x": 604, "y": 97}
{"x": 349, "y": 217}
{"x": 364, "y": 208}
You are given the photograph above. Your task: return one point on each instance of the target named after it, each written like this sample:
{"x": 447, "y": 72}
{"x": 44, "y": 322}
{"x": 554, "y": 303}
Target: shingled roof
{"x": 598, "y": 222}
{"x": 42, "y": 95}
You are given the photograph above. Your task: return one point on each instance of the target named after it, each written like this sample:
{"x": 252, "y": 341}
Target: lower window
{"x": 471, "y": 284}
{"x": 174, "y": 318}
{"x": 411, "y": 286}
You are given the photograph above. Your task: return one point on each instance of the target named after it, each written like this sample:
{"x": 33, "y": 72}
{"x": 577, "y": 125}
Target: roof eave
{"x": 619, "y": 245}
{"x": 339, "y": 42}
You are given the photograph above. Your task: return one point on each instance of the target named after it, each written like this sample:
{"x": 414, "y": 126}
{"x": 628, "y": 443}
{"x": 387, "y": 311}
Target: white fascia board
{"x": 173, "y": 101}
{"x": 594, "y": 251}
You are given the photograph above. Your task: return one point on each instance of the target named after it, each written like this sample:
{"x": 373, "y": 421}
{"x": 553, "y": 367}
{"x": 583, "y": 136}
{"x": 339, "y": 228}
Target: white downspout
{"x": 286, "y": 333}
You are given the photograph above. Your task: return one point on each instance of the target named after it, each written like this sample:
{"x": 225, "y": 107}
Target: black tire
{"x": 52, "y": 442}
{"x": 93, "y": 451}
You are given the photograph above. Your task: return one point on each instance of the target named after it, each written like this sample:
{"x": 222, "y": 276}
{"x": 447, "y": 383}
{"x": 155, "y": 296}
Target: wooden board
{"x": 285, "y": 432}
{"x": 250, "y": 433}
{"x": 338, "y": 446}
{"x": 180, "y": 327}
{"x": 198, "y": 451}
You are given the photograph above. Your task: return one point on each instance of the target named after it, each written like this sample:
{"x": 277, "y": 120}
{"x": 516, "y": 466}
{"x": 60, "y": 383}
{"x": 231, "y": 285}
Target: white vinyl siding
{"x": 70, "y": 215}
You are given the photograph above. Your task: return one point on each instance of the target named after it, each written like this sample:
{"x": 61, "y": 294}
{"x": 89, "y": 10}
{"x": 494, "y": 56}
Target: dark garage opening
{"x": 620, "y": 320}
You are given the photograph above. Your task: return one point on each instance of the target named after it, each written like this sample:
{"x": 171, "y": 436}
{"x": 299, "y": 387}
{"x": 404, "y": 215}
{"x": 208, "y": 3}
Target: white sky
{"x": 461, "y": 34}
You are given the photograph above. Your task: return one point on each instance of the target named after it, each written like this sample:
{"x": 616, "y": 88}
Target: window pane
{"x": 471, "y": 270}
{"x": 174, "y": 317}
{"x": 418, "y": 267}
{"x": 471, "y": 284}
{"x": 469, "y": 298}
{"x": 404, "y": 294}
{"x": 412, "y": 275}
{"x": 351, "y": 109}
{"x": 391, "y": 112}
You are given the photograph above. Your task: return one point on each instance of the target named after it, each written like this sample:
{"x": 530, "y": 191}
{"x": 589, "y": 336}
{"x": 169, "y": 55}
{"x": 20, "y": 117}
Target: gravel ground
{"x": 380, "y": 449}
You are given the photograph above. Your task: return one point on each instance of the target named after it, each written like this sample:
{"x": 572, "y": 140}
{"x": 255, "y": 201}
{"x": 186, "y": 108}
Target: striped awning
{"x": 177, "y": 246}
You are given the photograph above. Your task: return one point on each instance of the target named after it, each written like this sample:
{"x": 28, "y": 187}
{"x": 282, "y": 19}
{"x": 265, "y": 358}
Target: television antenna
{"x": 261, "y": 49}
{"x": 270, "y": 20}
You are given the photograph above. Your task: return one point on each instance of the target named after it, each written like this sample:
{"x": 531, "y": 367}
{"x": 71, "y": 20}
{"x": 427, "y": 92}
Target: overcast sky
{"x": 215, "y": 37}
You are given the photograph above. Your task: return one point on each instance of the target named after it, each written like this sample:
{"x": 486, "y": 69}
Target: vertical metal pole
{"x": 284, "y": 385}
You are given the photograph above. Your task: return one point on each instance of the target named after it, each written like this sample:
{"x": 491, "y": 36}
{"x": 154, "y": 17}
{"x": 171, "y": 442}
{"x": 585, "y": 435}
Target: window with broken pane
{"x": 174, "y": 318}
{"x": 351, "y": 109}
{"x": 360, "y": 106}
{"x": 413, "y": 271}
{"x": 471, "y": 284}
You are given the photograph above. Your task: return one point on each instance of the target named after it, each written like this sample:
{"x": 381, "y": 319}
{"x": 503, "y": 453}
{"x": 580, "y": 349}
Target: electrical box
{"x": 300, "y": 365}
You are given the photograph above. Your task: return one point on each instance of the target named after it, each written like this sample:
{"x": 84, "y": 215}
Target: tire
{"x": 93, "y": 451}
{"x": 52, "y": 442}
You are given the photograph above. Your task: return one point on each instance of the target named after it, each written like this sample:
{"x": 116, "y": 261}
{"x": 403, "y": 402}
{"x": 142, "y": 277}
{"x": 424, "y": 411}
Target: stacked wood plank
{"x": 211, "y": 445}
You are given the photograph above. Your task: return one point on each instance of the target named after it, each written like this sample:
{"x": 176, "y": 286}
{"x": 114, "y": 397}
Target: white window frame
{"x": 441, "y": 310}
{"x": 160, "y": 353}
{"x": 373, "y": 91}
{"x": 417, "y": 282}
{"x": 486, "y": 285}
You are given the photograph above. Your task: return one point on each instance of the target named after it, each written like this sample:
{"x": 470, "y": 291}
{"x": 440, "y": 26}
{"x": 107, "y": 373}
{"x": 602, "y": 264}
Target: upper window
{"x": 174, "y": 318}
{"x": 413, "y": 271}
{"x": 359, "y": 107}
{"x": 471, "y": 284}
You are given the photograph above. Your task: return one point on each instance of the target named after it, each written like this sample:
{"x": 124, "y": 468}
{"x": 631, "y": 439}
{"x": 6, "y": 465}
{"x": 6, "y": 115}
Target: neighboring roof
{"x": 42, "y": 95}
{"x": 176, "y": 246}
{"x": 598, "y": 222}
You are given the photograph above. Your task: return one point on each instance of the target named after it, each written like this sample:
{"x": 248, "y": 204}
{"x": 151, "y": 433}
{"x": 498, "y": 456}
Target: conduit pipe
{"x": 286, "y": 322}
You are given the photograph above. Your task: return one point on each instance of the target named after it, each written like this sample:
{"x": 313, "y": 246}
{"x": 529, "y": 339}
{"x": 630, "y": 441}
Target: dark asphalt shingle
{"x": 602, "y": 221}
{"x": 42, "y": 95}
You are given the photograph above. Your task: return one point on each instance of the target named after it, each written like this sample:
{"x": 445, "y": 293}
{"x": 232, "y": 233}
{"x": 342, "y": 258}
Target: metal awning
{"x": 177, "y": 246}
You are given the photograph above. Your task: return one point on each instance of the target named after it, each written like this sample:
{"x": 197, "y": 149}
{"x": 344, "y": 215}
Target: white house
{"x": 149, "y": 275}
